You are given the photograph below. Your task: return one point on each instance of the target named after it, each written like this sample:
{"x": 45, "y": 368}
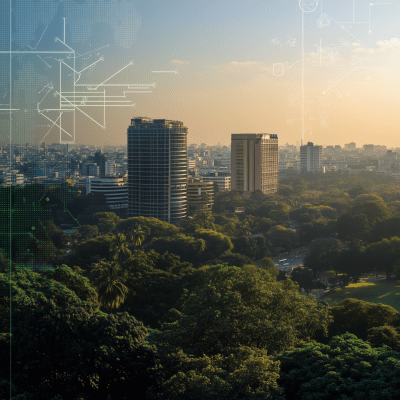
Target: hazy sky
{"x": 240, "y": 67}
{"x": 226, "y": 54}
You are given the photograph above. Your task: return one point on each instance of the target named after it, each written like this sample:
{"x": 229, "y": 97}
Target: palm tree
{"x": 244, "y": 229}
{"x": 205, "y": 218}
{"x": 119, "y": 248}
{"x": 137, "y": 235}
{"x": 112, "y": 292}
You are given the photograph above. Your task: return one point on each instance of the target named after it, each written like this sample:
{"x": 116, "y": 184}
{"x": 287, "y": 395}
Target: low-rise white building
{"x": 114, "y": 189}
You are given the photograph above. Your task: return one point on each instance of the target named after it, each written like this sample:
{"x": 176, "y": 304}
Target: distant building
{"x": 191, "y": 164}
{"x": 200, "y": 194}
{"x": 157, "y": 169}
{"x": 90, "y": 169}
{"x": 12, "y": 178}
{"x": 368, "y": 147}
{"x": 380, "y": 147}
{"x": 392, "y": 154}
{"x": 350, "y": 146}
{"x": 254, "y": 162}
{"x": 310, "y": 158}
{"x": 223, "y": 182}
{"x": 100, "y": 159}
{"x": 109, "y": 168}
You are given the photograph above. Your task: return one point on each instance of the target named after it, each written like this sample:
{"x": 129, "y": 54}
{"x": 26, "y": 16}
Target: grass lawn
{"x": 380, "y": 291}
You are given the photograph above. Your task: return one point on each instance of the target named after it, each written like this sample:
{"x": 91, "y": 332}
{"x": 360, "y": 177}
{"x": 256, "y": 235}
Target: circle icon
{"x": 278, "y": 69}
{"x": 308, "y": 5}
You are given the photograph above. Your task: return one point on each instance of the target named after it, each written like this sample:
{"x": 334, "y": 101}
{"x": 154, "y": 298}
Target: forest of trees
{"x": 139, "y": 308}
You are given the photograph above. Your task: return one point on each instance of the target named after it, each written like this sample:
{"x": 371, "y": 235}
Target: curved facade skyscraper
{"x": 157, "y": 169}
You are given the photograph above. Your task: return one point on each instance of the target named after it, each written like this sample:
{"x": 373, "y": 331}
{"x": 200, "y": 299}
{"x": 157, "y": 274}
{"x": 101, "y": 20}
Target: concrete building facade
{"x": 310, "y": 158}
{"x": 254, "y": 162}
{"x": 200, "y": 194}
{"x": 223, "y": 182}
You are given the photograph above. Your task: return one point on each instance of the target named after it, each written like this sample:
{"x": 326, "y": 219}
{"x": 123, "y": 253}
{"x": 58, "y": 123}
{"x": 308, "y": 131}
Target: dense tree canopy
{"x": 90, "y": 251}
{"x": 153, "y": 227}
{"x": 360, "y": 218}
{"x": 62, "y": 346}
{"x": 186, "y": 247}
{"x": 280, "y": 236}
{"x": 385, "y": 229}
{"x": 345, "y": 368}
{"x": 357, "y": 316}
{"x": 306, "y": 279}
{"x": 246, "y": 374}
{"x": 384, "y": 255}
{"x": 216, "y": 243}
{"x": 323, "y": 254}
{"x": 207, "y": 331}
{"x": 236, "y": 308}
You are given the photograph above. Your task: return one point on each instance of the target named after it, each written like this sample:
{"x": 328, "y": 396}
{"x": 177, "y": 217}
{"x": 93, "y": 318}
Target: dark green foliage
{"x": 227, "y": 202}
{"x": 73, "y": 281}
{"x": 306, "y": 279}
{"x": 310, "y": 231}
{"x": 346, "y": 368}
{"x": 153, "y": 227}
{"x": 253, "y": 247}
{"x": 230, "y": 259}
{"x": 353, "y": 263}
{"x": 110, "y": 288}
{"x": 385, "y": 229}
{"x": 62, "y": 346}
{"x": 351, "y": 226}
{"x": 85, "y": 232}
{"x": 106, "y": 221}
{"x": 234, "y": 308}
{"x": 245, "y": 374}
{"x": 384, "y": 335}
{"x": 155, "y": 283}
{"x": 357, "y": 191}
{"x": 338, "y": 282}
{"x": 277, "y": 211}
{"x": 186, "y": 247}
{"x": 383, "y": 255}
{"x": 216, "y": 243}
{"x": 357, "y": 221}
{"x": 280, "y": 236}
{"x": 323, "y": 255}
{"x": 269, "y": 266}
{"x": 91, "y": 251}
{"x": 5, "y": 263}
{"x": 357, "y": 316}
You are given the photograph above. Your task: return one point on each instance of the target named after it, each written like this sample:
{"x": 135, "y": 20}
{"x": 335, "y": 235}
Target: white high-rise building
{"x": 310, "y": 158}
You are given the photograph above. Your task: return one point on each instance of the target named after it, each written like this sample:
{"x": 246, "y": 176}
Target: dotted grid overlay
{"x": 34, "y": 80}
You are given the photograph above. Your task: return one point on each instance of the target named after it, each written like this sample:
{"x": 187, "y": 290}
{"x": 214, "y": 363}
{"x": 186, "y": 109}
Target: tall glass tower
{"x": 157, "y": 169}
